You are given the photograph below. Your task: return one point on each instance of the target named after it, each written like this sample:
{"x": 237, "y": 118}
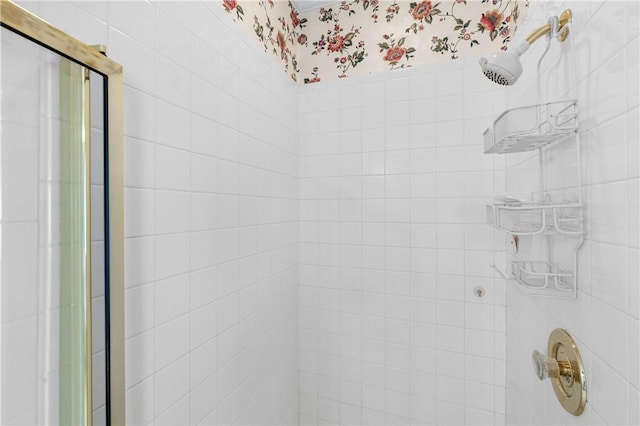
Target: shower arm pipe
{"x": 565, "y": 18}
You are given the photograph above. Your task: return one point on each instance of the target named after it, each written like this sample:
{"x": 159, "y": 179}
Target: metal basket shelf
{"x": 540, "y": 279}
{"x": 536, "y": 218}
{"x": 531, "y": 127}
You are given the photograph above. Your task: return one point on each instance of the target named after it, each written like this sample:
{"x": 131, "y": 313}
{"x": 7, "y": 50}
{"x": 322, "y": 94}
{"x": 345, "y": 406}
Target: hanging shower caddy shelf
{"x": 534, "y": 277}
{"x": 525, "y": 129}
{"x": 522, "y": 218}
{"x": 531, "y": 127}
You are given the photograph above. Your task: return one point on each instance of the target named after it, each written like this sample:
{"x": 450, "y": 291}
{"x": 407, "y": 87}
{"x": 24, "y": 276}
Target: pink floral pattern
{"x": 424, "y": 11}
{"x": 314, "y": 78}
{"x": 339, "y": 40}
{"x": 232, "y": 5}
{"x": 492, "y": 21}
{"x": 392, "y": 11}
{"x": 394, "y": 51}
{"x": 280, "y": 41}
{"x": 342, "y": 46}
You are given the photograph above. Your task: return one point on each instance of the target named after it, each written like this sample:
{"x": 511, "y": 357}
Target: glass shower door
{"x": 45, "y": 236}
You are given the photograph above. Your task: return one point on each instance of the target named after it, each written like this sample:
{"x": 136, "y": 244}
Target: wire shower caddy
{"x": 530, "y": 128}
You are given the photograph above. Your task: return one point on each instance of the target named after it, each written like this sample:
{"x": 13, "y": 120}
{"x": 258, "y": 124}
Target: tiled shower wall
{"x": 393, "y": 185}
{"x": 604, "y": 317}
{"x": 211, "y": 213}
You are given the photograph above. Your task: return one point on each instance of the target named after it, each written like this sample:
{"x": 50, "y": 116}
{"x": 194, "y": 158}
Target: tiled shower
{"x": 319, "y": 254}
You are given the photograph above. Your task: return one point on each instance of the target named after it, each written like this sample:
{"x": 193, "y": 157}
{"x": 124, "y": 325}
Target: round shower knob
{"x": 564, "y": 368}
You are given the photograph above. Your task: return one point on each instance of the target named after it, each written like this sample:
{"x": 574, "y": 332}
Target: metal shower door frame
{"x": 42, "y": 33}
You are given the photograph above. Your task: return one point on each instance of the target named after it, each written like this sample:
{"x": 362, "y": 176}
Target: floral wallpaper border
{"x": 356, "y": 37}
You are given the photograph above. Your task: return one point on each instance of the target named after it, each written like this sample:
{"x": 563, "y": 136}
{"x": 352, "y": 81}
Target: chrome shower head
{"x": 504, "y": 68}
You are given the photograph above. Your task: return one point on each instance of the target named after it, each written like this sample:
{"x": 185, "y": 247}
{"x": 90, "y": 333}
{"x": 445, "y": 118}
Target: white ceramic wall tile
{"x": 139, "y": 307}
{"x": 141, "y": 126}
{"x": 140, "y": 358}
{"x": 139, "y": 160}
{"x": 140, "y": 399}
{"x": 171, "y": 384}
{"x": 172, "y": 125}
{"x": 171, "y": 341}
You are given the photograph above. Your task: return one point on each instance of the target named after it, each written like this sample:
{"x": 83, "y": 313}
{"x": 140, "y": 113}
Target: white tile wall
{"x": 210, "y": 220}
{"x": 392, "y": 247}
{"x": 604, "y": 317}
